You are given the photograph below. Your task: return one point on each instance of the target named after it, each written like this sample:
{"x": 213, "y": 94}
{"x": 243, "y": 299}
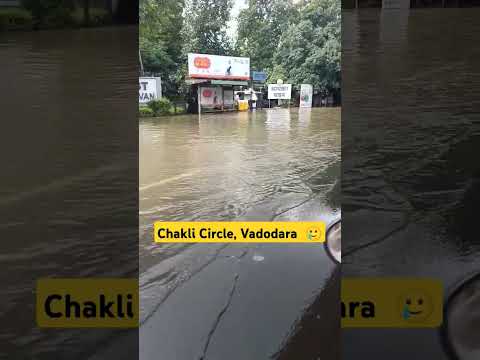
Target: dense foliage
{"x": 160, "y": 40}
{"x": 297, "y": 41}
{"x": 50, "y": 11}
{"x": 309, "y": 51}
{"x": 61, "y": 13}
{"x": 260, "y": 27}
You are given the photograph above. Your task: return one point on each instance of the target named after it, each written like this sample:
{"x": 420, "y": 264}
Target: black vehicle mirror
{"x": 461, "y": 323}
{"x": 333, "y": 241}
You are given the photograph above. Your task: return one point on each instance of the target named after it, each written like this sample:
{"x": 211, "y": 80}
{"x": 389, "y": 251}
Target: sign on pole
{"x": 279, "y": 91}
{"x": 205, "y": 66}
{"x": 306, "y": 94}
{"x": 259, "y": 76}
{"x": 150, "y": 88}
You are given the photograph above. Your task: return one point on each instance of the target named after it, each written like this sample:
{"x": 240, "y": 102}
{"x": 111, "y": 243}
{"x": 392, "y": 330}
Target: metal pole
{"x": 198, "y": 96}
{"x": 141, "y": 62}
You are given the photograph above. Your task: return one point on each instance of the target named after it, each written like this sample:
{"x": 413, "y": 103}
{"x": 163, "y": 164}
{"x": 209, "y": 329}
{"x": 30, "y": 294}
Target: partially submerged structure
{"x": 214, "y": 79}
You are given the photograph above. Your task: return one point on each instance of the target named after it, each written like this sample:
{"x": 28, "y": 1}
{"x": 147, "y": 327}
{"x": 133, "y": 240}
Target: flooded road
{"x": 69, "y": 183}
{"x": 214, "y": 301}
{"x": 410, "y": 182}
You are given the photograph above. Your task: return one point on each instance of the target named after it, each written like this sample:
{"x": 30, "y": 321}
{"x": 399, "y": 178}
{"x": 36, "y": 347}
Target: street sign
{"x": 279, "y": 91}
{"x": 260, "y": 76}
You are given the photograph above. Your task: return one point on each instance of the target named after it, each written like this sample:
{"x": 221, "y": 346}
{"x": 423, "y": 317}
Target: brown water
{"x": 235, "y": 165}
{"x": 275, "y": 164}
{"x": 410, "y": 179}
{"x": 68, "y": 194}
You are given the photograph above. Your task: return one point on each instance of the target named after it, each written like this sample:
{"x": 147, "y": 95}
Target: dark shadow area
{"x": 317, "y": 334}
{"x": 69, "y": 184}
{"x": 410, "y": 134}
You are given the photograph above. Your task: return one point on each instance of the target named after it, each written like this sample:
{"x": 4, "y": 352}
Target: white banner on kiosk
{"x": 205, "y": 66}
{"x": 211, "y": 96}
{"x": 306, "y": 95}
{"x": 279, "y": 91}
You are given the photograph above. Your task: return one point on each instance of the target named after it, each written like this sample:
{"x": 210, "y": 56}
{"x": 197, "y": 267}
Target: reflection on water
{"x": 410, "y": 132}
{"x": 220, "y": 167}
{"x": 68, "y": 194}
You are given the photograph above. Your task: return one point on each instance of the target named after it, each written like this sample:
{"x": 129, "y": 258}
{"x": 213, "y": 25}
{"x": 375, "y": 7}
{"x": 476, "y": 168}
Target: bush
{"x": 161, "y": 106}
{"x": 145, "y": 111}
{"x": 13, "y": 17}
{"x": 97, "y": 16}
{"x": 50, "y": 13}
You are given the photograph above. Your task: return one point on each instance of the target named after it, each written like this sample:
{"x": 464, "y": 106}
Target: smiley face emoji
{"x": 416, "y": 306}
{"x": 314, "y": 234}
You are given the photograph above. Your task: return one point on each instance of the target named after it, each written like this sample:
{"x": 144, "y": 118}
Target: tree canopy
{"x": 160, "y": 38}
{"x": 298, "y": 41}
{"x": 309, "y": 51}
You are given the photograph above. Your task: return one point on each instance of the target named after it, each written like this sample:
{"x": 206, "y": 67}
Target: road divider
{"x": 239, "y": 232}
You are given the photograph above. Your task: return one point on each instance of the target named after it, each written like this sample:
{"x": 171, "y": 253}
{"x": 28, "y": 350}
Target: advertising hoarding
{"x": 150, "y": 88}
{"x": 306, "y": 95}
{"x": 204, "y": 66}
{"x": 211, "y": 96}
{"x": 279, "y": 91}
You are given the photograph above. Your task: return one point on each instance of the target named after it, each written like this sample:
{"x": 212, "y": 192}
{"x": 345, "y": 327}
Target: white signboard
{"x": 211, "y": 96}
{"x": 306, "y": 94}
{"x": 279, "y": 91}
{"x": 205, "y": 66}
{"x": 150, "y": 88}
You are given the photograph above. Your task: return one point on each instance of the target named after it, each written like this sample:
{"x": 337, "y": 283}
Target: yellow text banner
{"x": 87, "y": 303}
{"x": 239, "y": 232}
{"x": 391, "y": 302}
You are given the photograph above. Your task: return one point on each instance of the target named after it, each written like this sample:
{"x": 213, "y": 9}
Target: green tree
{"x": 260, "y": 27}
{"x": 86, "y": 12}
{"x": 309, "y": 50}
{"x": 57, "y": 12}
{"x": 206, "y": 27}
{"x": 160, "y": 40}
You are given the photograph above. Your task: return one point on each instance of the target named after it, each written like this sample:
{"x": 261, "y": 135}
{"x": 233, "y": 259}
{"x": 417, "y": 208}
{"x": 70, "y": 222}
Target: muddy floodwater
{"x": 410, "y": 184}
{"x": 214, "y": 300}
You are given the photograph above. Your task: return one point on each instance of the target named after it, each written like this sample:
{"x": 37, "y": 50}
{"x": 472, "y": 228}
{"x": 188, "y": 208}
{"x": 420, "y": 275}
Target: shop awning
{"x": 229, "y": 82}
{"x": 195, "y": 81}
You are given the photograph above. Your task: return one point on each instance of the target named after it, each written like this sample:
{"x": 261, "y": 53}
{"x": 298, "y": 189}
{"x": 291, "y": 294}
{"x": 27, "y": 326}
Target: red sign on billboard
{"x": 202, "y": 62}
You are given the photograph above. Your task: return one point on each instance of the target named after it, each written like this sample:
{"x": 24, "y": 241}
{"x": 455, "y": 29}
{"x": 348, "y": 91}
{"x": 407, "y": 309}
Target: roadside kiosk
{"x": 215, "y": 79}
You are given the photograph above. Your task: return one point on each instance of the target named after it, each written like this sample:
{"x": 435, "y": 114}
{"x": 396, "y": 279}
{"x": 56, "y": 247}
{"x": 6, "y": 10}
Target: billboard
{"x": 306, "y": 95}
{"x": 204, "y": 66}
{"x": 150, "y": 88}
{"x": 279, "y": 91}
